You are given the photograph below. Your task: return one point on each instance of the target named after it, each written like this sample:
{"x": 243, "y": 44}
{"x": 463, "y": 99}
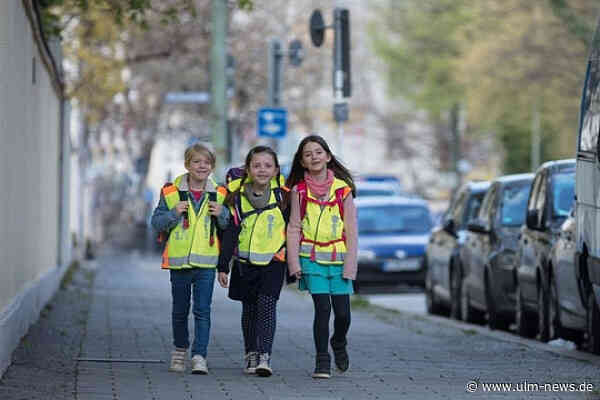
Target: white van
{"x": 587, "y": 191}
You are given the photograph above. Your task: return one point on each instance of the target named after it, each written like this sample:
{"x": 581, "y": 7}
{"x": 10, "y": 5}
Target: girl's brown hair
{"x": 297, "y": 171}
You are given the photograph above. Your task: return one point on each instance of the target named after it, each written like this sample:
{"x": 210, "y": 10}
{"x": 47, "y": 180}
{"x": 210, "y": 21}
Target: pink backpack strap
{"x": 302, "y": 196}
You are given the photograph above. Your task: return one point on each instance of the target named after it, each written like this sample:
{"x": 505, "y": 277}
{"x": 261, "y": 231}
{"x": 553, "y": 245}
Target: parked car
{"x": 566, "y": 312}
{"x": 549, "y": 204}
{"x": 587, "y": 187}
{"x": 370, "y": 189}
{"x": 392, "y": 234}
{"x": 487, "y": 258}
{"x": 442, "y": 250}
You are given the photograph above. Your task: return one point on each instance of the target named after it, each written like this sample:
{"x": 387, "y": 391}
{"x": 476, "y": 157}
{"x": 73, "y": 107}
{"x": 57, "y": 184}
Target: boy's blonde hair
{"x": 199, "y": 148}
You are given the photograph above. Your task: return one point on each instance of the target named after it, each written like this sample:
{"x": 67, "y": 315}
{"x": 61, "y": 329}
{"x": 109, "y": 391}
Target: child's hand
{"x": 214, "y": 208}
{"x": 223, "y": 279}
{"x": 298, "y": 274}
{"x": 181, "y": 207}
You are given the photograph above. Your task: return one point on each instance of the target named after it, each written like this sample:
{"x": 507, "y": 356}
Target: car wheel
{"x": 455, "y": 297}
{"x": 495, "y": 320}
{"x": 433, "y": 305}
{"x": 525, "y": 327}
{"x": 543, "y": 312}
{"x": 593, "y": 324}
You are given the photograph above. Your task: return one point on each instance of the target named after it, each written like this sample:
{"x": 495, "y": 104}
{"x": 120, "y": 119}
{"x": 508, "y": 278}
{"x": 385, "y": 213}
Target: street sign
{"x": 272, "y": 122}
{"x": 187, "y": 97}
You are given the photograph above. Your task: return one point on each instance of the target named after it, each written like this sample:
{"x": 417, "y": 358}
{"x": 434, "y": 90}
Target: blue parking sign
{"x": 272, "y": 122}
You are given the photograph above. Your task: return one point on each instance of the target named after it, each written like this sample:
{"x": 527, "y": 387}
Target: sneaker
{"x": 322, "y": 367}
{"x": 177, "y": 361}
{"x": 340, "y": 355}
{"x": 264, "y": 365}
{"x": 250, "y": 362}
{"x": 199, "y": 365}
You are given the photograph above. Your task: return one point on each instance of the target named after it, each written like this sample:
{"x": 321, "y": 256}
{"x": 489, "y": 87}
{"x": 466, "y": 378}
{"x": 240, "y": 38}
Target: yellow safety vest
{"x": 192, "y": 246}
{"x": 262, "y": 234}
{"x": 323, "y": 238}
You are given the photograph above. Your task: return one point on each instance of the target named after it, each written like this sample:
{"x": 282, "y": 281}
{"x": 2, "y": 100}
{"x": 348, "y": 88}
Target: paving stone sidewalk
{"x": 124, "y": 313}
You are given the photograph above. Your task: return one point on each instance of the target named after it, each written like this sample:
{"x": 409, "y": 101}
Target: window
{"x": 458, "y": 206}
{"x": 394, "y": 219}
{"x": 563, "y": 193}
{"x": 488, "y": 203}
{"x": 473, "y": 207}
{"x": 514, "y": 204}
{"x": 590, "y": 109}
{"x": 534, "y": 191}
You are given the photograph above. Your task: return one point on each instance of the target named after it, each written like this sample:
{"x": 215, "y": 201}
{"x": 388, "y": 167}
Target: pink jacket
{"x": 295, "y": 226}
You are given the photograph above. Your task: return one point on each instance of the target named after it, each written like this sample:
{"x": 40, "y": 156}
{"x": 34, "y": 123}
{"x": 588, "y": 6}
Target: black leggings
{"x": 341, "y": 322}
{"x": 258, "y": 324}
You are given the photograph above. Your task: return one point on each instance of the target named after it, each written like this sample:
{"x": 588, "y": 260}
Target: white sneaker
{"x": 264, "y": 366}
{"x": 199, "y": 365}
{"x": 250, "y": 362}
{"x": 177, "y": 361}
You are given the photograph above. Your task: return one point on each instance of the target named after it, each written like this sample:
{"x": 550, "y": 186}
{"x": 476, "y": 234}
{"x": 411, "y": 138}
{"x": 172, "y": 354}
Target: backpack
{"x": 233, "y": 174}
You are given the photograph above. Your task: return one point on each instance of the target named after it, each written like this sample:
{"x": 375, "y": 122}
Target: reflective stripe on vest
{"x": 322, "y": 237}
{"x": 262, "y": 234}
{"x": 191, "y": 246}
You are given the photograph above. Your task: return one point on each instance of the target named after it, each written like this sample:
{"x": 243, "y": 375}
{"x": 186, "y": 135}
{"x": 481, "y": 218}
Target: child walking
{"x": 322, "y": 244}
{"x": 187, "y": 211}
{"x": 256, "y": 236}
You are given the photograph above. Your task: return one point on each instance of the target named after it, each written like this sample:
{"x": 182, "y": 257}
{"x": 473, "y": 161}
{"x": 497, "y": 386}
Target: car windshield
{"x": 394, "y": 218}
{"x": 563, "y": 193}
{"x": 514, "y": 203}
{"x": 374, "y": 192}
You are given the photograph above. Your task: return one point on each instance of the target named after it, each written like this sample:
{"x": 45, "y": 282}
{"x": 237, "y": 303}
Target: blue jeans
{"x": 200, "y": 282}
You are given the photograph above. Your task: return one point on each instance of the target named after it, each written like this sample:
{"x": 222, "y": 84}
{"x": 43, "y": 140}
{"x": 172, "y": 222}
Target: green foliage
{"x": 420, "y": 42}
{"x": 497, "y": 58}
{"x": 578, "y": 26}
{"x": 122, "y": 11}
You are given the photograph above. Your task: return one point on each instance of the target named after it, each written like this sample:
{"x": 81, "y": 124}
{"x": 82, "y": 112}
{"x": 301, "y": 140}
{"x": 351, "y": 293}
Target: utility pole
{"x": 341, "y": 71}
{"x": 455, "y": 144}
{"x": 341, "y": 62}
{"x": 219, "y": 84}
{"x": 274, "y": 85}
{"x": 535, "y": 136}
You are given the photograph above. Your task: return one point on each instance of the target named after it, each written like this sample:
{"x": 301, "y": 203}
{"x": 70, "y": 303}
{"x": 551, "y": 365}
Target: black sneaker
{"x": 322, "y": 367}
{"x": 342, "y": 362}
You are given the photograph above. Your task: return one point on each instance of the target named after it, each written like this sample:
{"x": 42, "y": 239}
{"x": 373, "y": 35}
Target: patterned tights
{"x": 258, "y": 324}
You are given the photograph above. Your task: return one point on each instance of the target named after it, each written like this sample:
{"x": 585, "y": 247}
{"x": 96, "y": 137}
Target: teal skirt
{"x": 323, "y": 278}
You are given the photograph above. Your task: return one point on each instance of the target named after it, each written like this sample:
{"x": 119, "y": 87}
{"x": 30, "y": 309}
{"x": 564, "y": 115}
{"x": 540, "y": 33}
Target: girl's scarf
{"x": 258, "y": 200}
{"x": 319, "y": 188}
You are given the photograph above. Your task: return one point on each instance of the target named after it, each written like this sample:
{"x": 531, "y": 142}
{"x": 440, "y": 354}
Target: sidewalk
{"x": 125, "y": 314}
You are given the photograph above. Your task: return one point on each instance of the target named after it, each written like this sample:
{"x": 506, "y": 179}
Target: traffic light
{"x": 341, "y": 51}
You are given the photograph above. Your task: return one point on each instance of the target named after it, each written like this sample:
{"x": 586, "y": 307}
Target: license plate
{"x": 408, "y": 264}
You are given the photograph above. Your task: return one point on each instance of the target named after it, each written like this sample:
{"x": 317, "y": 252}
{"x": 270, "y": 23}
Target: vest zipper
{"x": 189, "y": 253}
{"x": 252, "y": 235}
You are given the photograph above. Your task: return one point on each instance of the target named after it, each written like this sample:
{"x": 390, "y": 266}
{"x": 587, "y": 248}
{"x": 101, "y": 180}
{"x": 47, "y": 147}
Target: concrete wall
{"x": 31, "y": 187}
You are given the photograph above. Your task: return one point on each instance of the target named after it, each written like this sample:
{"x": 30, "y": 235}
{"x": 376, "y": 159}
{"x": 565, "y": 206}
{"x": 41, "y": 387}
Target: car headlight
{"x": 366, "y": 255}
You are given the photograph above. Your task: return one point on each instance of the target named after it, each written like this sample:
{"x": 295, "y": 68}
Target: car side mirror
{"x": 532, "y": 219}
{"x": 477, "y": 226}
{"x": 450, "y": 227}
